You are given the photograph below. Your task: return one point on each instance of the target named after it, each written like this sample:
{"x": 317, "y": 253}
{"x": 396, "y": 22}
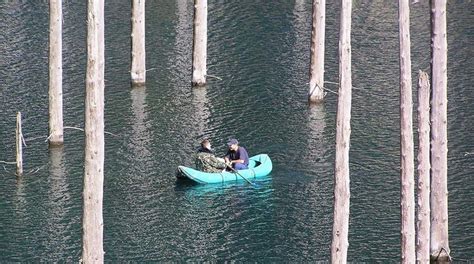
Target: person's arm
{"x": 216, "y": 163}
{"x": 243, "y": 155}
{"x": 227, "y": 157}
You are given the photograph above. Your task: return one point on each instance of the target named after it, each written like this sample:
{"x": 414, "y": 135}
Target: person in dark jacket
{"x": 237, "y": 156}
{"x": 205, "y": 159}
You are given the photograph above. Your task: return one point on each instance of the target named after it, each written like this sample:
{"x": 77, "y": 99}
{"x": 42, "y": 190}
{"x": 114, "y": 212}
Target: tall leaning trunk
{"x": 138, "y": 71}
{"x": 423, "y": 217}
{"x": 55, "y": 73}
{"x": 340, "y": 228}
{"x": 316, "y": 82}
{"x": 439, "y": 136}
{"x": 407, "y": 178}
{"x": 200, "y": 42}
{"x": 92, "y": 226}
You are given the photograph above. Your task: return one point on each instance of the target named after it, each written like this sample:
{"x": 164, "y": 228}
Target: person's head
{"x": 233, "y": 144}
{"x": 206, "y": 144}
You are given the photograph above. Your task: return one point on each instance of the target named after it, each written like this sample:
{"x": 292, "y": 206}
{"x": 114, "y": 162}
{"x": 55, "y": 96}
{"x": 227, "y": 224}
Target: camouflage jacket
{"x": 207, "y": 162}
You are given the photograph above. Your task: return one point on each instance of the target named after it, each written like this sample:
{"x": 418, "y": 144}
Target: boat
{"x": 259, "y": 166}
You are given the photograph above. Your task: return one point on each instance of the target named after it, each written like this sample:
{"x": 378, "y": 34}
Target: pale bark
{"x": 92, "y": 247}
{"x": 138, "y": 71}
{"x": 340, "y": 229}
{"x": 423, "y": 217}
{"x": 19, "y": 146}
{"x": 407, "y": 177}
{"x": 55, "y": 73}
{"x": 439, "y": 247}
{"x": 316, "y": 82}
{"x": 200, "y": 42}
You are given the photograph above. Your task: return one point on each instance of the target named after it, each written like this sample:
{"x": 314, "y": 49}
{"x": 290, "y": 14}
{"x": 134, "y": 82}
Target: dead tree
{"x": 423, "y": 217}
{"x": 92, "y": 235}
{"x": 407, "y": 178}
{"x": 55, "y": 74}
{"x": 19, "y": 146}
{"x": 340, "y": 228}
{"x": 439, "y": 248}
{"x": 138, "y": 71}
{"x": 200, "y": 42}
{"x": 316, "y": 82}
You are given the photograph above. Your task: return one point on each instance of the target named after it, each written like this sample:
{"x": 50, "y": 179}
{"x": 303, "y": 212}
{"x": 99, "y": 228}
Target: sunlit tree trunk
{"x": 92, "y": 240}
{"x": 316, "y": 83}
{"x": 439, "y": 136}
{"x": 200, "y": 42}
{"x": 423, "y": 219}
{"x": 55, "y": 73}
{"x": 340, "y": 228}
{"x": 19, "y": 146}
{"x": 407, "y": 178}
{"x": 138, "y": 71}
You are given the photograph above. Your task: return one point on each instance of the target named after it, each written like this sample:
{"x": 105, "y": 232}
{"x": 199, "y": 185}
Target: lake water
{"x": 260, "y": 50}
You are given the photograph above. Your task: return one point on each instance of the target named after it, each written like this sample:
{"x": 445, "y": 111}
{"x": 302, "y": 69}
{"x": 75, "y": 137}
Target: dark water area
{"x": 260, "y": 49}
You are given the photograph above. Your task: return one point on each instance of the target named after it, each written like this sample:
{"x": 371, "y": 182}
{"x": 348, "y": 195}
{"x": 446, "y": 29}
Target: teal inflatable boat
{"x": 259, "y": 166}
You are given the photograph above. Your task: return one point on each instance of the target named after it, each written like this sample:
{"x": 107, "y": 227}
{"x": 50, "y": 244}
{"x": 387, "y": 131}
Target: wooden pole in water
{"x": 407, "y": 163}
{"x": 200, "y": 42}
{"x": 55, "y": 73}
{"x": 92, "y": 235}
{"x": 439, "y": 248}
{"x": 340, "y": 228}
{"x": 19, "y": 146}
{"x": 316, "y": 83}
{"x": 138, "y": 71}
{"x": 423, "y": 217}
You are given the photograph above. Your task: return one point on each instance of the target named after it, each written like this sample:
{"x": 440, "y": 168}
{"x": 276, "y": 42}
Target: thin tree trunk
{"x": 343, "y": 131}
{"x": 439, "y": 248}
{"x": 138, "y": 71}
{"x": 316, "y": 83}
{"x": 200, "y": 42}
{"x": 55, "y": 73}
{"x": 19, "y": 146}
{"x": 407, "y": 178}
{"x": 92, "y": 247}
{"x": 423, "y": 219}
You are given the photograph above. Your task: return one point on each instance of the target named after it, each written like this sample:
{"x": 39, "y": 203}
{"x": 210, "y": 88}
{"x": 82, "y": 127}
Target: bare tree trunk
{"x": 138, "y": 71}
{"x": 439, "y": 136}
{"x": 407, "y": 178}
{"x": 423, "y": 219}
{"x": 55, "y": 73}
{"x": 316, "y": 83}
{"x": 200, "y": 42}
{"x": 340, "y": 228}
{"x": 19, "y": 146}
{"x": 92, "y": 247}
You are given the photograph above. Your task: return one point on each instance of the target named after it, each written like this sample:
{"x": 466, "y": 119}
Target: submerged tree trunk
{"x": 407, "y": 178}
{"x": 343, "y": 131}
{"x": 92, "y": 240}
{"x": 439, "y": 136}
{"x": 200, "y": 42}
{"x": 138, "y": 71}
{"x": 316, "y": 82}
{"x": 423, "y": 219}
{"x": 55, "y": 74}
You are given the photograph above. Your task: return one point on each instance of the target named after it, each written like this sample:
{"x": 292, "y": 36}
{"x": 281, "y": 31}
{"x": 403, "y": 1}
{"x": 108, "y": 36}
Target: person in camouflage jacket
{"x": 206, "y": 161}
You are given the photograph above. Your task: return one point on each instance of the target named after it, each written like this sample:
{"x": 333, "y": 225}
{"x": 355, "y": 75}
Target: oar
{"x": 247, "y": 180}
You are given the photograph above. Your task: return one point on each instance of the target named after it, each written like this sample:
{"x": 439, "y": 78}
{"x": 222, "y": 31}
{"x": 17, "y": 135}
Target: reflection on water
{"x": 141, "y": 137}
{"x": 59, "y": 199}
{"x": 201, "y": 111}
